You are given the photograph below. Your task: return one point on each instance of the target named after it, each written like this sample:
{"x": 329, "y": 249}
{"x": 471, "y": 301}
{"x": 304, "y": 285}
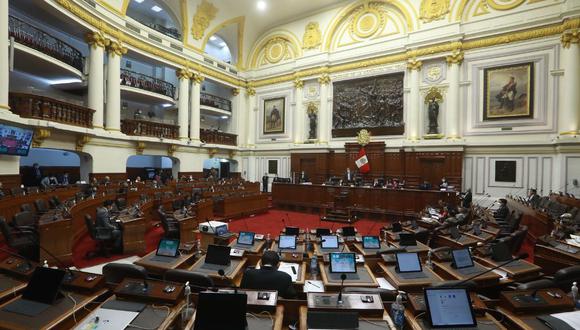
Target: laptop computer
{"x": 287, "y": 242}
{"x": 322, "y": 231}
{"x": 342, "y": 262}
{"x": 371, "y": 242}
{"x": 348, "y": 231}
{"x": 329, "y": 242}
{"x": 210, "y": 311}
{"x": 449, "y": 308}
{"x": 217, "y": 257}
{"x": 221, "y": 230}
{"x": 407, "y": 239}
{"x": 167, "y": 250}
{"x": 246, "y": 238}
{"x": 42, "y": 291}
{"x": 292, "y": 231}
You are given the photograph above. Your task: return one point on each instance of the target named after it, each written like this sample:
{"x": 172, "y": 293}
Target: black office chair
{"x": 103, "y": 238}
{"x": 170, "y": 225}
{"x": 386, "y": 295}
{"x": 518, "y": 238}
{"x": 16, "y": 191}
{"x": 199, "y": 282}
{"x": 121, "y": 203}
{"x": 115, "y": 273}
{"x": 41, "y": 206}
{"x": 26, "y": 208}
{"x": 25, "y": 220}
{"x": 562, "y": 279}
{"x": 20, "y": 240}
{"x": 177, "y": 204}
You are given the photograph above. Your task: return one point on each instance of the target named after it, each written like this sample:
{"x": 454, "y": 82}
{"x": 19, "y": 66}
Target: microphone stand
{"x": 339, "y": 301}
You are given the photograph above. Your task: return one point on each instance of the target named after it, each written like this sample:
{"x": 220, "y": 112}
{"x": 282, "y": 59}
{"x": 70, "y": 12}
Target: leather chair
{"x": 170, "y": 225}
{"x": 102, "y": 237}
{"x": 21, "y": 240}
{"x": 26, "y": 208}
{"x": 121, "y": 203}
{"x": 177, "y": 204}
{"x": 115, "y": 272}
{"x": 198, "y": 281}
{"x": 562, "y": 279}
{"x": 41, "y": 206}
{"x": 518, "y": 238}
{"x": 25, "y": 220}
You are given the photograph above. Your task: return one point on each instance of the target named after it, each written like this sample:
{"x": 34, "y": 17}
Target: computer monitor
{"x": 449, "y": 308}
{"x": 371, "y": 242}
{"x": 342, "y": 262}
{"x": 44, "y": 285}
{"x": 218, "y": 255}
{"x": 407, "y": 239}
{"x": 329, "y": 241}
{"x": 396, "y": 227}
{"x": 168, "y": 247}
{"x": 461, "y": 258}
{"x": 348, "y": 231}
{"x": 221, "y": 230}
{"x": 408, "y": 262}
{"x": 454, "y": 231}
{"x": 211, "y": 307}
{"x": 322, "y": 231}
{"x": 246, "y": 238}
{"x": 287, "y": 242}
{"x": 501, "y": 251}
{"x": 292, "y": 231}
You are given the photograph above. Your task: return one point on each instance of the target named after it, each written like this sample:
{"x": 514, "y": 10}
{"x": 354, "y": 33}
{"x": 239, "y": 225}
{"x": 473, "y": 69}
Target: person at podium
{"x": 348, "y": 176}
{"x": 533, "y": 197}
{"x": 105, "y": 223}
{"x": 304, "y": 177}
{"x": 268, "y": 277}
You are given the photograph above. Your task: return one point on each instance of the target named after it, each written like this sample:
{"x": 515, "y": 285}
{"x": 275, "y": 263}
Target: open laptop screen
{"x": 408, "y": 262}
{"x": 348, "y": 231}
{"x": 211, "y": 307}
{"x": 292, "y": 231}
{"x": 44, "y": 285}
{"x": 371, "y": 242}
{"x": 342, "y": 262}
{"x": 322, "y": 231}
{"x": 287, "y": 242}
{"x": 448, "y": 307}
{"x": 218, "y": 255}
{"x": 462, "y": 258}
{"x": 329, "y": 241}
{"x": 168, "y": 247}
{"x": 246, "y": 238}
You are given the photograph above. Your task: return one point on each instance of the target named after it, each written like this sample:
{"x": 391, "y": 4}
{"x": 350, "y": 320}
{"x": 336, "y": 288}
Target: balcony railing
{"x": 33, "y": 37}
{"x": 215, "y": 137}
{"x": 216, "y": 102}
{"x": 46, "y": 108}
{"x": 147, "y": 128}
{"x": 145, "y": 82}
{"x": 170, "y": 32}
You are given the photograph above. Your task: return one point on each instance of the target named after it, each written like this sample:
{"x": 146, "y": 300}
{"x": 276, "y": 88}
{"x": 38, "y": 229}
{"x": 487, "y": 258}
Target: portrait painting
{"x": 274, "y": 115}
{"x": 505, "y": 171}
{"x": 508, "y": 92}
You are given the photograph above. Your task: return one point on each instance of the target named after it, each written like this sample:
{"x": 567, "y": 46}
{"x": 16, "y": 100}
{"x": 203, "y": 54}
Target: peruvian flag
{"x": 362, "y": 162}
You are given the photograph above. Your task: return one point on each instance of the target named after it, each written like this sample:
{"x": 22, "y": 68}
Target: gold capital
{"x": 456, "y": 57}
{"x": 324, "y": 79}
{"x": 183, "y": 73}
{"x": 115, "y": 47}
{"x": 570, "y": 37}
{"x": 298, "y": 83}
{"x": 235, "y": 91}
{"x": 414, "y": 64}
{"x": 251, "y": 91}
{"x": 197, "y": 78}
{"x": 95, "y": 39}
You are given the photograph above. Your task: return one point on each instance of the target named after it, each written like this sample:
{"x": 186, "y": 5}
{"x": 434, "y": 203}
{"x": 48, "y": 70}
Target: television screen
{"x": 15, "y": 140}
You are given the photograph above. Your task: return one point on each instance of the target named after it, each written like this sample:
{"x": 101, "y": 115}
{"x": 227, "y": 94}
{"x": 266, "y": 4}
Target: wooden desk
{"x": 160, "y": 267}
{"x": 371, "y": 323}
{"x": 56, "y": 237}
{"x": 240, "y": 205}
{"x": 252, "y": 249}
{"x": 10, "y": 287}
{"x": 291, "y": 255}
{"x": 203, "y": 210}
{"x": 552, "y": 259}
{"x": 410, "y": 285}
{"x": 538, "y": 223}
{"x": 133, "y": 235}
{"x": 320, "y": 252}
{"x": 231, "y": 272}
{"x": 547, "y": 304}
{"x": 18, "y": 267}
{"x": 420, "y": 248}
{"x": 10, "y": 205}
{"x": 351, "y": 302}
{"x": 447, "y": 272}
{"x": 463, "y": 241}
{"x": 133, "y": 289}
{"x": 520, "y": 270}
{"x": 363, "y": 278}
{"x": 486, "y": 322}
{"x": 187, "y": 226}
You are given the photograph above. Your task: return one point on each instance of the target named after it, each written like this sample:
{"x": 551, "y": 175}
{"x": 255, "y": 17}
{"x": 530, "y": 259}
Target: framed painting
{"x": 274, "y": 115}
{"x": 508, "y": 92}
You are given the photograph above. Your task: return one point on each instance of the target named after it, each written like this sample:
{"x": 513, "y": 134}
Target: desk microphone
{"x": 519, "y": 257}
{"x": 222, "y": 274}
{"x": 339, "y": 300}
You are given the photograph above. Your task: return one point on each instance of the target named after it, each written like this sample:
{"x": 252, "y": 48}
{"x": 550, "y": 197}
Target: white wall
{"x": 49, "y": 157}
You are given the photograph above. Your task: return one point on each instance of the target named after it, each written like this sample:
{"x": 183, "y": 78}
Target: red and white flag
{"x": 362, "y": 162}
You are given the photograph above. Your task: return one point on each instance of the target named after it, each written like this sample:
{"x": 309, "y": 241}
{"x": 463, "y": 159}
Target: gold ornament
{"x": 250, "y": 90}
{"x": 81, "y": 141}
{"x": 235, "y": 91}
{"x": 312, "y": 36}
{"x": 40, "y": 134}
{"x": 276, "y": 50}
{"x": 324, "y": 79}
{"x": 456, "y": 57}
{"x": 298, "y": 83}
{"x": 171, "y": 149}
{"x": 197, "y": 78}
{"x": 183, "y": 74}
{"x": 140, "y": 147}
{"x": 433, "y": 93}
{"x": 570, "y": 37}
{"x": 414, "y": 64}
{"x": 312, "y": 108}
{"x": 95, "y": 39}
{"x": 205, "y": 13}
{"x": 367, "y": 20}
{"x": 115, "y": 47}
{"x": 434, "y": 73}
{"x": 432, "y": 10}
{"x": 363, "y": 137}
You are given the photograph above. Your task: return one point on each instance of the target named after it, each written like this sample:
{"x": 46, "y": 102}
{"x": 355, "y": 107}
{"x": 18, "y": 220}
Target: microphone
{"x": 342, "y": 278}
{"x": 519, "y": 257}
{"x": 222, "y": 274}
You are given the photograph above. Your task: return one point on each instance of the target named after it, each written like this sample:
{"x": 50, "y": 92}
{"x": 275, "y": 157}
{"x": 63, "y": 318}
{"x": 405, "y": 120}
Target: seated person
{"x": 467, "y": 199}
{"x": 502, "y": 212}
{"x": 1, "y": 191}
{"x": 304, "y": 177}
{"x": 268, "y": 277}
{"x": 45, "y": 183}
{"x": 533, "y": 198}
{"x": 444, "y": 184}
{"x": 104, "y": 221}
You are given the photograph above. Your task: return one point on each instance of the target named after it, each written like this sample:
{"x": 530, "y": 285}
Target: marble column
{"x": 414, "y": 107}
{"x": 195, "y": 114}
{"x": 183, "y": 103}
{"x": 452, "y": 126}
{"x": 113, "y": 109}
{"x": 252, "y": 118}
{"x": 96, "y": 81}
{"x": 4, "y": 60}
{"x": 299, "y": 115}
{"x": 324, "y": 115}
{"x": 569, "y": 114}
{"x": 237, "y": 120}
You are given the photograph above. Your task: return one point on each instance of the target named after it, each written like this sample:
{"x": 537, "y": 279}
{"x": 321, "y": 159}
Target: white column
{"x": 194, "y": 119}
{"x": 183, "y": 103}
{"x": 569, "y": 114}
{"x": 252, "y": 118}
{"x": 452, "y": 109}
{"x": 96, "y": 102}
{"x": 414, "y": 108}
{"x": 298, "y": 119}
{"x": 4, "y": 61}
{"x": 237, "y": 119}
{"x": 324, "y": 116}
{"x": 113, "y": 108}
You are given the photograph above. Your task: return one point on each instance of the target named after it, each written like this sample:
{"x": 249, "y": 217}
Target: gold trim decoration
{"x": 311, "y": 108}
{"x": 139, "y": 147}
{"x": 81, "y": 141}
{"x": 367, "y": 20}
{"x": 250, "y": 91}
{"x": 433, "y": 136}
{"x": 504, "y": 4}
{"x": 235, "y": 91}
{"x": 298, "y": 83}
{"x": 276, "y": 50}
{"x": 95, "y": 39}
{"x": 212, "y": 152}
{"x": 456, "y": 57}
{"x": 109, "y": 7}
{"x": 196, "y": 78}
{"x": 570, "y": 37}
{"x": 40, "y": 134}
{"x": 240, "y": 20}
{"x": 205, "y": 13}
{"x": 116, "y": 47}
{"x": 363, "y": 137}
{"x": 433, "y": 93}
{"x": 577, "y": 132}
{"x": 312, "y": 36}
{"x": 183, "y": 73}
{"x": 171, "y": 149}
{"x": 414, "y": 64}
{"x": 433, "y": 10}
{"x": 232, "y": 154}
{"x": 324, "y": 79}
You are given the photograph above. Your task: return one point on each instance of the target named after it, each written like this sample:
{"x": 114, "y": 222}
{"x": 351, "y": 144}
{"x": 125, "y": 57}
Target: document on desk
{"x": 104, "y": 318}
{"x": 503, "y": 274}
{"x": 384, "y": 284}
{"x": 570, "y": 318}
{"x": 313, "y": 286}
{"x": 290, "y": 269}
{"x": 573, "y": 241}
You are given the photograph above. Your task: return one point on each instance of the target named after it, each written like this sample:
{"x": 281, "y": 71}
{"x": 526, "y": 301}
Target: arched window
{"x": 156, "y": 15}
{"x": 219, "y": 49}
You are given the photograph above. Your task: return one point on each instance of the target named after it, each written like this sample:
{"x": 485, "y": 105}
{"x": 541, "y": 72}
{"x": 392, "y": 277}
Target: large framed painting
{"x": 274, "y": 115}
{"x": 508, "y": 92}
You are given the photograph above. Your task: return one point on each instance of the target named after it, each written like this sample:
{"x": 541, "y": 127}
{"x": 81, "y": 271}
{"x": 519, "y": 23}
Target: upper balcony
{"x": 140, "y": 127}
{"x": 215, "y": 101}
{"x": 143, "y": 88}
{"x": 46, "y": 108}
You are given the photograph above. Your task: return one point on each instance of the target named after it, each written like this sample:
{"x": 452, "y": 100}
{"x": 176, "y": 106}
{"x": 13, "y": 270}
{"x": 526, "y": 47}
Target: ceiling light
{"x": 139, "y": 1}
{"x": 156, "y": 9}
{"x": 212, "y": 38}
{"x": 65, "y": 81}
{"x": 225, "y": 117}
{"x": 261, "y": 5}
{"x": 167, "y": 105}
{"x": 222, "y": 44}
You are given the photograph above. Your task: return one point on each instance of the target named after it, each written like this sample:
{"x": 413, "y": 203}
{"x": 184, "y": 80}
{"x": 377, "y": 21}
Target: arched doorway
{"x": 55, "y": 162}
{"x": 147, "y": 166}
{"x": 220, "y": 168}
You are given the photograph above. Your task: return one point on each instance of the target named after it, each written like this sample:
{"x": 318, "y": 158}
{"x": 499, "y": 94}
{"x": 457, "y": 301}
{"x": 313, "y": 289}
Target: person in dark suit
{"x": 36, "y": 174}
{"x": 304, "y": 177}
{"x": 265, "y": 183}
{"x": 467, "y": 199}
{"x": 104, "y": 221}
{"x": 502, "y": 212}
{"x": 268, "y": 277}
{"x": 533, "y": 197}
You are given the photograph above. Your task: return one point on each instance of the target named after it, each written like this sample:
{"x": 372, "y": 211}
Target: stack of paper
{"x": 290, "y": 269}
{"x": 384, "y": 284}
{"x": 313, "y": 286}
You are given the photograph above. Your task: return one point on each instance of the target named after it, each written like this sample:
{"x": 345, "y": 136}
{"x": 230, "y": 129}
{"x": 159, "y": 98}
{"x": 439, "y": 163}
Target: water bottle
{"x": 268, "y": 241}
{"x": 398, "y": 311}
{"x": 313, "y": 267}
{"x": 575, "y": 295}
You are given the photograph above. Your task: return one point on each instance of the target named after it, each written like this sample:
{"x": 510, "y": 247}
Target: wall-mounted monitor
{"x": 15, "y": 140}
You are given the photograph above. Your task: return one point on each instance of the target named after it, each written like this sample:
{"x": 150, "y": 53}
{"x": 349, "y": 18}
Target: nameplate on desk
{"x": 150, "y": 290}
